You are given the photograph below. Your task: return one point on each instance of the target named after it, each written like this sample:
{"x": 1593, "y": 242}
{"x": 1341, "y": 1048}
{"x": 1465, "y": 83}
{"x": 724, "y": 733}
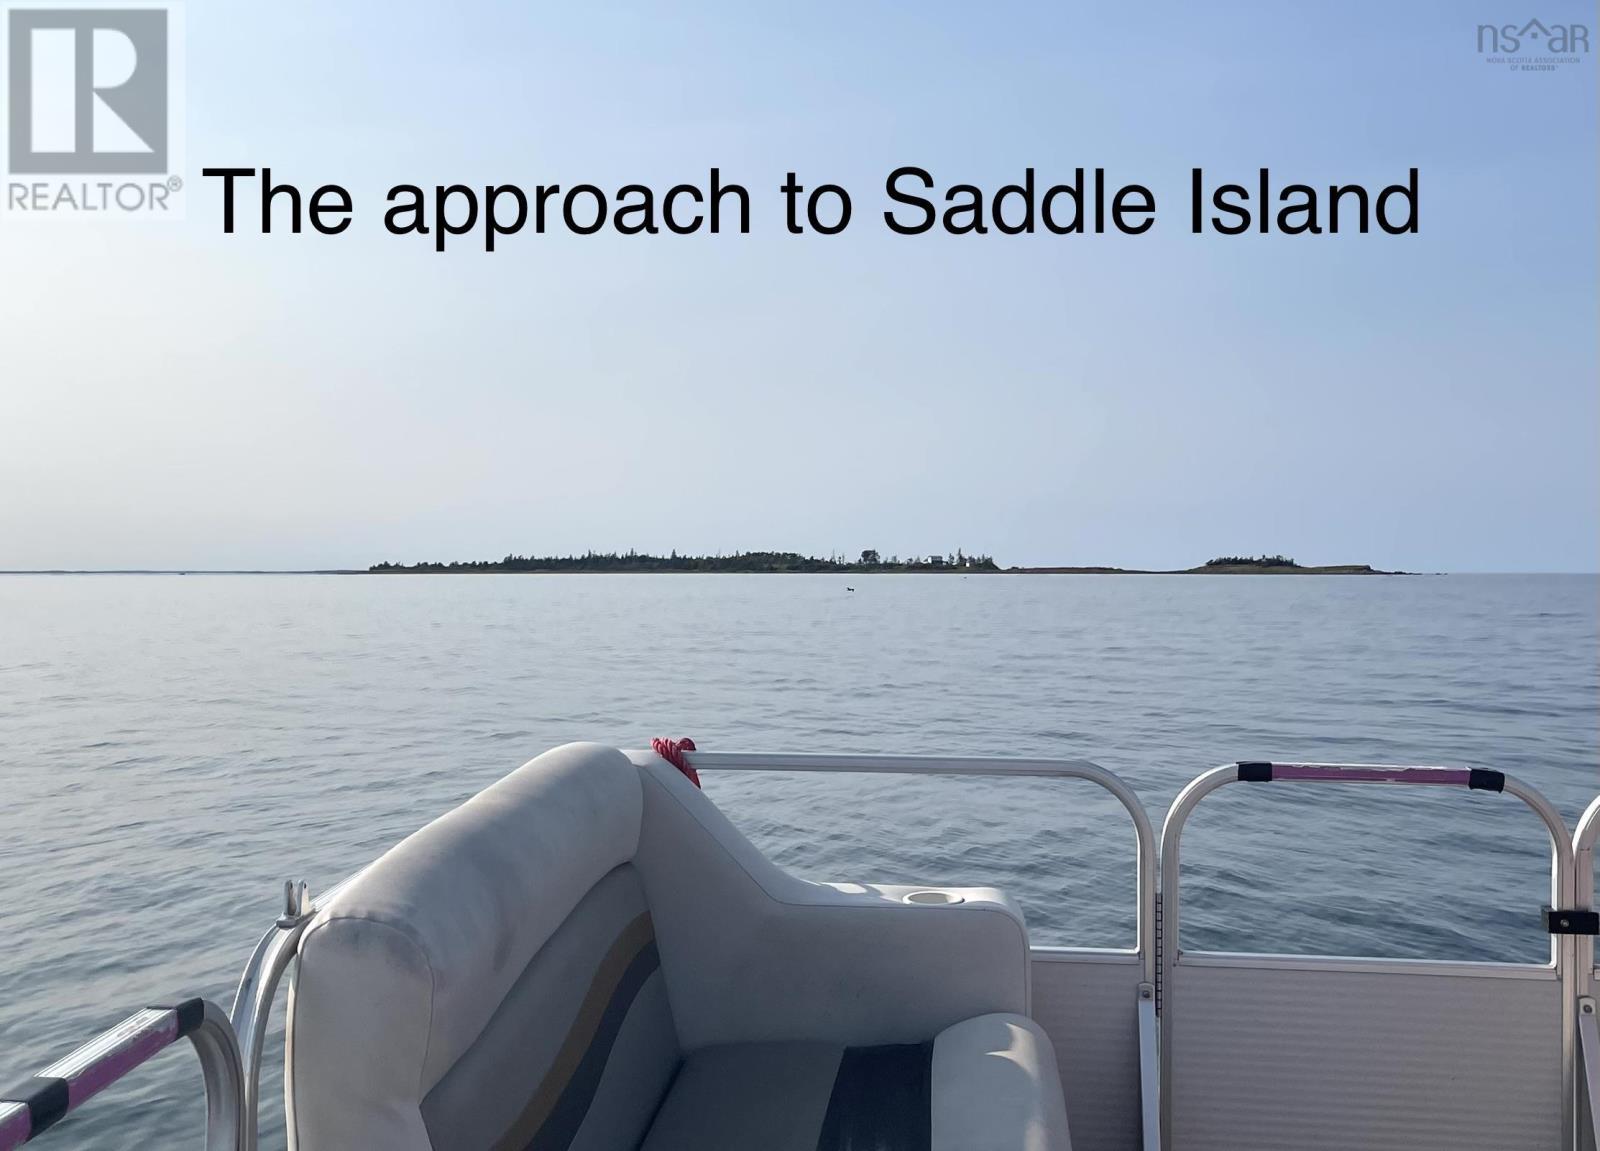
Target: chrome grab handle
{"x": 1475, "y": 779}
{"x": 958, "y": 766}
{"x": 1146, "y": 942}
{"x": 35, "y": 1105}
{"x": 1563, "y": 882}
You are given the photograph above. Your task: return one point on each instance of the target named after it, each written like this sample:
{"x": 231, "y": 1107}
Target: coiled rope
{"x": 672, "y": 751}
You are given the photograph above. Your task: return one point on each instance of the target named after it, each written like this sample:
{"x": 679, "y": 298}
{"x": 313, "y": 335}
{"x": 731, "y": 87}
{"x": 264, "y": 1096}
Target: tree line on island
{"x": 869, "y": 561}
{"x": 1272, "y": 561}
{"x": 635, "y": 561}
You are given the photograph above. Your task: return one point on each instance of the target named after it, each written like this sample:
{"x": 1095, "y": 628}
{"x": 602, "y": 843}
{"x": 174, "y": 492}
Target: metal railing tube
{"x": 955, "y": 766}
{"x": 252, "y": 1008}
{"x": 218, "y": 1048}
{"x": 258, "y": 987}
{"x": 1563, "y": 881}
{"x": 1583, "y": 846}
{"x": 37, "y": 1104}
{"x": 1145, "y": 939}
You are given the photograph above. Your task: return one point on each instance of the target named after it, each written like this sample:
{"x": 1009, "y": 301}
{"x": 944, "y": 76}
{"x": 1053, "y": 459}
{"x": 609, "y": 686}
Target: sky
{"x": 175, "y": 397}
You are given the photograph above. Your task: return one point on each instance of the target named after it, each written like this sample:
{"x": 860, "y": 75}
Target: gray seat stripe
{"x": 561, "y": 1128}
{"x": 575, "y": 1075}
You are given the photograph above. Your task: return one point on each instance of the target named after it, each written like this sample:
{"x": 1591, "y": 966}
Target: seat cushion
{"x": 996, "y": 1088}
{"x": 418, "y": 959}
{"x": 987, "y": 1084}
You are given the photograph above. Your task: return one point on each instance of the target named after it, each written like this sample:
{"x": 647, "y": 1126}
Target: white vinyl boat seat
{"x": 587, "y": 956}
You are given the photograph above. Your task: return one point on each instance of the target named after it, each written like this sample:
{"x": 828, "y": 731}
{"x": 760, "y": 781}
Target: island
{"x": 869, "y": 562}
{"x": 1222, "y": 565}
{"x": 736, "y": 562}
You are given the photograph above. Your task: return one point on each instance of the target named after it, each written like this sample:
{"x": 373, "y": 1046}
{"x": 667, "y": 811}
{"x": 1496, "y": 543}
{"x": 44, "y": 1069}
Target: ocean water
{"x": 173, "y": 748}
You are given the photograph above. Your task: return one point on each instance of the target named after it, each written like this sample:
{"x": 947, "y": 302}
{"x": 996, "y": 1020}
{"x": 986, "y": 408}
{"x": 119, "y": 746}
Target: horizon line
{"x": 1028, "y": 569}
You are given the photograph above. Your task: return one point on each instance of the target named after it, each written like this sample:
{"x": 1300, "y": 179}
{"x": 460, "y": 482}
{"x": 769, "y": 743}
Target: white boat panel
{"x": 1384, "y": 1060}
{"x": 1088, "y": 1003}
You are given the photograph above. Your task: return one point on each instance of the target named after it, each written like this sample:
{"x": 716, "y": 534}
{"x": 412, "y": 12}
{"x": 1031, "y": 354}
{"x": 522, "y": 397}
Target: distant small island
{"x": 869, "y": 562}
{"x": 1224, "y": 565}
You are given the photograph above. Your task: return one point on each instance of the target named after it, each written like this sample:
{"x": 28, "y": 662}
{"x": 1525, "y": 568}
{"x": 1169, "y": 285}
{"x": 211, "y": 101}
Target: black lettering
{"x": 1025, "y": 190}
{"x": 496, "y": 227}
{"x": 973, "y": 207}
{"x": 667, "y": 214}
{"x": 1073, "y": 192}
{"x": 599, "y": 220}
{"x": 736, "y": 190}
{"x": 1307, "y": 207}
{"x": 318, "y": 208}
{"x": 1147, "y": 206}
{"x": 814, "y": 218}
{"x": 891, "y": 186}
{"x": 540, "y": 194}
{"x": 1408, "y": 193}
{"x": 271, "y": 191}
{"x": 1337, "y": 193}
{"x": 1239, "y": 209}
{"x": 419, "y": 216}
{"x": 645, "y": 209}
{"x": 791, "y": 188}
{"x": 441, "y": 212}
{"x": 228, "y": 176}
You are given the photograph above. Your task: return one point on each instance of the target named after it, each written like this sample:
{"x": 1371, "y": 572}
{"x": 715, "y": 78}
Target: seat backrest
{"x": 525, "y": 973}
{"x": 491, "y": 982}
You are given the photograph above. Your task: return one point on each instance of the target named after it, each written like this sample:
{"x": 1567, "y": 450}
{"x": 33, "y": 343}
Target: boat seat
{"x": 987, "y": 1084}
{"x": 587, "y": 956}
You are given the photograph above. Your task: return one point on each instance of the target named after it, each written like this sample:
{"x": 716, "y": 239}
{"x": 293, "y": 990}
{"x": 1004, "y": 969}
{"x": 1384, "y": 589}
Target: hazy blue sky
{"x": 175, "y": 397}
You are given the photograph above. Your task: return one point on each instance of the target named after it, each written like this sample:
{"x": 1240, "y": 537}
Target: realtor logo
{"x": 1533, "y": 46}
{"x": 92, "y": 92}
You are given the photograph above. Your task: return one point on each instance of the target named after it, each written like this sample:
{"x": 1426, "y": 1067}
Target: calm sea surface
{"x": 173, "y": 748}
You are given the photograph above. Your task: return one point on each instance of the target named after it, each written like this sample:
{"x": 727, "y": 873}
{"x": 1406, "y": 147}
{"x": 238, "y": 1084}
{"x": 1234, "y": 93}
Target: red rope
{"x": 672, "y": 751}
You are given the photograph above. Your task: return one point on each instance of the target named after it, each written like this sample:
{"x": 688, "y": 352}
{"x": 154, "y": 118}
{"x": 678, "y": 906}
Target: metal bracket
{"x": 1149, "y": 1070}
{"x": 296, "y": 903}
{"x": 1570, "y": 922}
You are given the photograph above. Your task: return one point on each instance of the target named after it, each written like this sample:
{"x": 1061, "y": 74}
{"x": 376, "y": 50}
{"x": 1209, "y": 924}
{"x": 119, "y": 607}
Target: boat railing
{"x": 956, "y": 766}
{"x": 276, "y": 949}
{"x": 36, "y": 1104}
{"x": 230, "y": 1047}
{"x": 1584, "y": 841}
{"x": 1583, "y": 848}
{"x": 1143, "y": 1008}
{"x": 1561, "y": 921}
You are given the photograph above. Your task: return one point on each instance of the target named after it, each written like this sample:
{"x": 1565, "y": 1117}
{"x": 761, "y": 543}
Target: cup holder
{"x": 932, "y": 898}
